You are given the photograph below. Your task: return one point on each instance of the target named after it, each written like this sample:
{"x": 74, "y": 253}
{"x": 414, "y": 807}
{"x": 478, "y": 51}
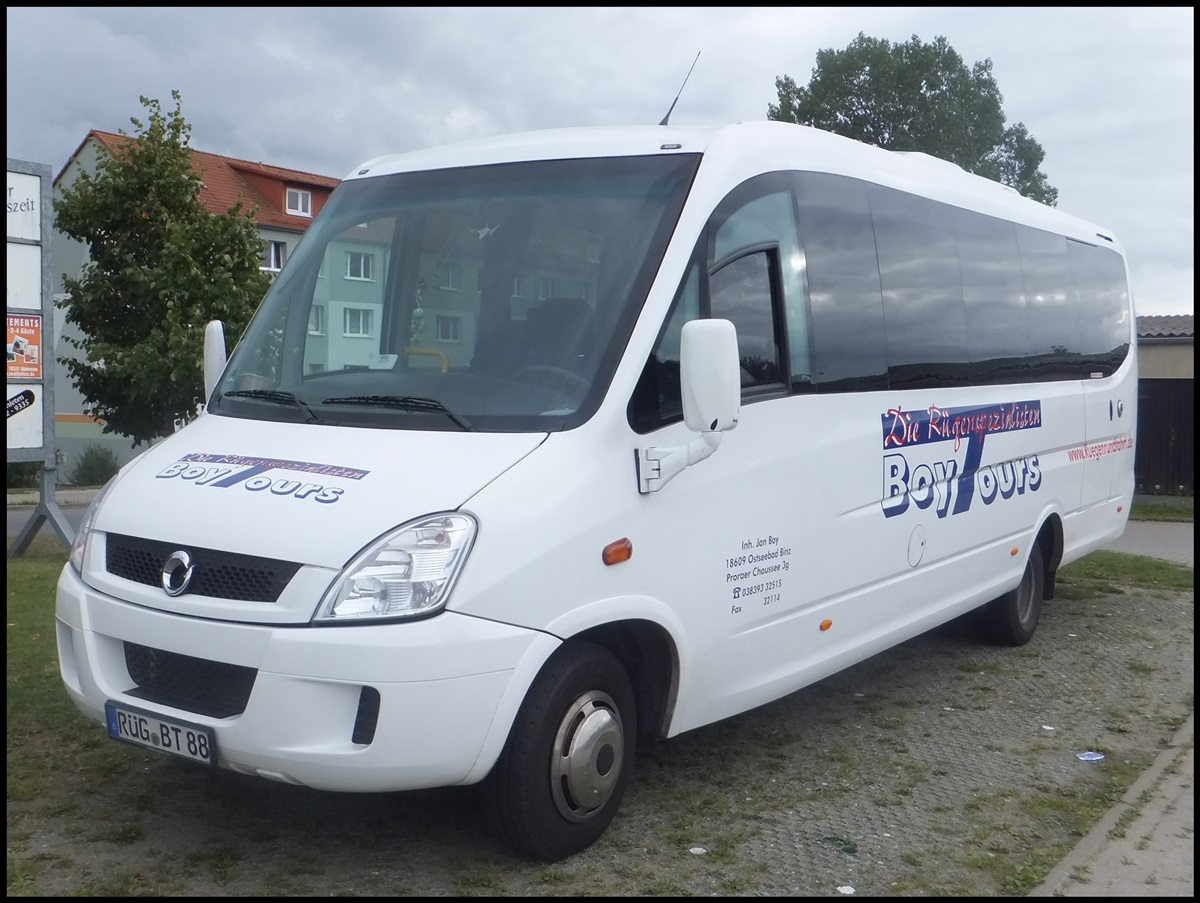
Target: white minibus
{"x": 546, "y": 444}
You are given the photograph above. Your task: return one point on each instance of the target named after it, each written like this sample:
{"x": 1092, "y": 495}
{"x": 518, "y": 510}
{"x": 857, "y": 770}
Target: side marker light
{"x": 826, "y": 624}
{"x": 616, "y": 552}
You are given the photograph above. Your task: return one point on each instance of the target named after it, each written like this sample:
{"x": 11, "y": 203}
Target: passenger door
{"x": 732, "y": 524}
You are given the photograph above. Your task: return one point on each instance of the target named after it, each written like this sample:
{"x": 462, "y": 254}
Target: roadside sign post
{"x": 30, "y": 343}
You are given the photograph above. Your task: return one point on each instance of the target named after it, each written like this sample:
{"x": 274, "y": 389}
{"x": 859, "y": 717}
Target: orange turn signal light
{"x": 826, "y": 624}
{"x": 616, "y": 552}
{"x": 1015, "y": 551}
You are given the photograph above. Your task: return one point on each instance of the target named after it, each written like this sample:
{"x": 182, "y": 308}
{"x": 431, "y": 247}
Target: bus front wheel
{"x": 564, "y": 770}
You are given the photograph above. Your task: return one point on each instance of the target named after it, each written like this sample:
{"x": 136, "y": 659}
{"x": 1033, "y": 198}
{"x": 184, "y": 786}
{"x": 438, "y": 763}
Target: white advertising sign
{"x": 24, "y": 279}
{"x": 24, "y": 416}
{"x": 24, "y": 203}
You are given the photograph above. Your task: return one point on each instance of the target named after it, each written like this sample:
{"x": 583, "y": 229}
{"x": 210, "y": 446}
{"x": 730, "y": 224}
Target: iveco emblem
{"x": 177, "y": 573}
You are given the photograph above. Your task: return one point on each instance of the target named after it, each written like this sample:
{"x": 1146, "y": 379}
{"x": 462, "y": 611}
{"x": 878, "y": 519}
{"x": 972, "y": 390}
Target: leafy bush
{"x": 24, "y": 474}
{"x": 95, "y": 467}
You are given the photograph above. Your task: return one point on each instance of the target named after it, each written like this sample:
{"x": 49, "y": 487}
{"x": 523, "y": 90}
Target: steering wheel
{"x": 554, "y": 378}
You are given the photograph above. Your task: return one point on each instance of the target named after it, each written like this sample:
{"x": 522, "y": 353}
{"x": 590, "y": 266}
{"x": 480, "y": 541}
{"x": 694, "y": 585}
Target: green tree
{"x": 917, "y": 97}
{"x": 160, "y": 267}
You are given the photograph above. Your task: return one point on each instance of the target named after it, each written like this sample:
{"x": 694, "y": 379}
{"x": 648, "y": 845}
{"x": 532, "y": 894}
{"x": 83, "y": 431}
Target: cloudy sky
{"x": 1109, "y": 93}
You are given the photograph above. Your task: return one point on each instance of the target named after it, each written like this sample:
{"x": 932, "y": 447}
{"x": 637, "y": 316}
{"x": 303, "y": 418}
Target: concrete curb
{"x": 1143, "y": 807}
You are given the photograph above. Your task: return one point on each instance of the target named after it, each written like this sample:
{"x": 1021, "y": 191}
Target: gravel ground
{"x": 942, "y": 767}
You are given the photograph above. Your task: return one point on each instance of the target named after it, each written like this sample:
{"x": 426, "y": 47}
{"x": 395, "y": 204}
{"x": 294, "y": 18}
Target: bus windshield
{"x": 482, "y": 298}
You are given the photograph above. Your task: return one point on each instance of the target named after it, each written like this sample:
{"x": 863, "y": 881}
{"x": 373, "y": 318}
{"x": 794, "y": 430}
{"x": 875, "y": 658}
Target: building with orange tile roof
{"x": 284, "y": 202}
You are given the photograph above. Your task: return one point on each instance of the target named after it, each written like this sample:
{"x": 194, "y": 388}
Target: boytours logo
{"x": 252, "y": 474}
{"x": 915, "y": 473}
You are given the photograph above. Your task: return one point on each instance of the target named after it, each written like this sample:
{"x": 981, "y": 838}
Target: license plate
{"x": 166, "y": 735}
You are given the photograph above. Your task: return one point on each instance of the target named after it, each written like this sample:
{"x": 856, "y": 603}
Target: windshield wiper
{"x": 404, "y": 402}
{"x": 276, "y": 395}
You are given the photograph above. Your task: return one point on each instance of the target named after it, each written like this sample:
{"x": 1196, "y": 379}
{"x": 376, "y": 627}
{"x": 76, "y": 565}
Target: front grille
{"x": 222, "y": 575}
{"x": 192, "y": 684}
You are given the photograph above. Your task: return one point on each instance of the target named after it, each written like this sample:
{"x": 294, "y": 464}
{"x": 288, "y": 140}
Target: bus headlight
{"x": 407, "y": 573}
{"x": 83, "y": 534}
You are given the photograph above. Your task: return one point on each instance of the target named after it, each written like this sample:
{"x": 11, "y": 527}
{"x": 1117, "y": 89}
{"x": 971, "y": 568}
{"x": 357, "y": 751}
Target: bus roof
{"x": 548, "y": 144}
{"x": 744, "y": 148}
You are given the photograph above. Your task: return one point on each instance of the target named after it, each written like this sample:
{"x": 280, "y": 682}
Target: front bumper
{"x": 446, "y": 688}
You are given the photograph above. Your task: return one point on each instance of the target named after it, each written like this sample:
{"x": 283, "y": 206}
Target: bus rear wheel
{"x": 1011, "y": 619}
{"x": 563, "y": 772}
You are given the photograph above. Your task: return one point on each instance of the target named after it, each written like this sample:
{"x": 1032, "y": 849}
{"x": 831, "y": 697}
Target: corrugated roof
{"x": 227, "y": 180}
{"x": 1175, "y": 326}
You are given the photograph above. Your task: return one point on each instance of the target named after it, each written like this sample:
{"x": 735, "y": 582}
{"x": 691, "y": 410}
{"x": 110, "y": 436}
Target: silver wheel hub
{"x": 588, "y": 754}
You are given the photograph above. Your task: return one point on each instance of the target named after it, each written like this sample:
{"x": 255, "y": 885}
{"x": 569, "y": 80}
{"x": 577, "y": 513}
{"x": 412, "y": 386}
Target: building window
{"x": 274, "y": 254}
{"x": 518, "y": 286}
{"x": 449, "y": 276}
{"x": 360, "y": 265}
{"x": 299, "y": 203}
{"x": 547, "y": 288}
{"x": 356, "y": 322}
{"x": 316, "y": 368}
{"x": 449, "y": 329}
{"x": 316, "y": 320}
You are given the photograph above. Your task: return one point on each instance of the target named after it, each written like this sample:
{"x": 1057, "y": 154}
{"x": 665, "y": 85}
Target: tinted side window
{"x": 885, "y": 289}
{"x": 849, "y": 352}
{"x": 766, "y": 220}
{"x": 1119, "y": 314}
{"x": 922, "y": 291}
{"x": 1088, "y": 299}
{"x": 1103, "y": 301}
{"x": 741, "y": 291}
{"x": 994, "y": 298}
{"x": 1053, "y": 314}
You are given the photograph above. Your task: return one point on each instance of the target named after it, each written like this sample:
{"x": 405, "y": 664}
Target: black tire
{"x": 1011, "y": 619}
{"x": 564, "y": 769}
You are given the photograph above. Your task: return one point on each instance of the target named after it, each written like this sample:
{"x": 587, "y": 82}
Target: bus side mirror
{"x": 214, "y": 356}
{"x": 710, "y": 371}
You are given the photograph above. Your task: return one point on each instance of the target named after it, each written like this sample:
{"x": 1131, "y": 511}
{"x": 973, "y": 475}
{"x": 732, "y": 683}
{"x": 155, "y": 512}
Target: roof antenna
{"x": 685, "y": 81}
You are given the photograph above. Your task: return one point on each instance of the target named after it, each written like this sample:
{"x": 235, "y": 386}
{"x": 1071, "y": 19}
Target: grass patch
{"x": 220, "y": 864}
{"x": 1182, "y": 511}
{"x": 47, "y": 736}
{"x": 1106, "y": 573}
